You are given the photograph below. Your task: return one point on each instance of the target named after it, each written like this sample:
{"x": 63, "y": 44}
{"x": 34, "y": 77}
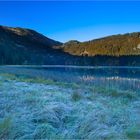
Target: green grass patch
{"x": 133, "y": 132}
{"x": 5, "y": 126}
{"x": 115, "y": 92}
{"x": 28, "y": 79}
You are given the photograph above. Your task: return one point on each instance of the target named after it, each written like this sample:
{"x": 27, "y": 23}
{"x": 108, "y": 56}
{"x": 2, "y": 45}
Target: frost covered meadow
{"x": 37, "y": 108}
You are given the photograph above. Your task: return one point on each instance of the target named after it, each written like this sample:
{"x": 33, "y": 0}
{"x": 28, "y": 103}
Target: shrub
{"x": 76, "y": 96}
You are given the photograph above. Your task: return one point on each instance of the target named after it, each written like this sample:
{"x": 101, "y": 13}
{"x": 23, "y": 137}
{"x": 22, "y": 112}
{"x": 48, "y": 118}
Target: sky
{"x": 71, "y": 20}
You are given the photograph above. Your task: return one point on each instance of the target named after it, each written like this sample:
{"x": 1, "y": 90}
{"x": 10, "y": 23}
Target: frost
{"x": 50, "y": 111}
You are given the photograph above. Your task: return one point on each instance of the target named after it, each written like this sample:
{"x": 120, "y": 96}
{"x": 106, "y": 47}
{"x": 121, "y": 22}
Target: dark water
{"x": 126, "y": 78}
{"x": 125, "y": 72}
{"x": 116, "y": 77}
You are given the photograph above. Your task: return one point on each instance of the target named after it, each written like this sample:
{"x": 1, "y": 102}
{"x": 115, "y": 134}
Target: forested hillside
{"x": 117, "y": 45}
{"x": 25, "y": 46}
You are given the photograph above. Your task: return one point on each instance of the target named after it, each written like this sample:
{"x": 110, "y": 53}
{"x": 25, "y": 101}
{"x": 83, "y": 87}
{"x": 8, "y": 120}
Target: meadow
{"x": 41, "y": 108}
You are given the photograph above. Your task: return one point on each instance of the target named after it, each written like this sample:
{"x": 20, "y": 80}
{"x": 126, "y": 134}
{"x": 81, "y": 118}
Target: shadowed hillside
{"x": 21, "y": 46}
{"x": 25, "y": 46}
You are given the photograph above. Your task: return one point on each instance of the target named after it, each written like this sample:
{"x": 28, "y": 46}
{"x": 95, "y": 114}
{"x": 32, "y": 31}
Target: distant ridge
{"x": 20, "y": 46}
{"x": 28, "y": 34}
{"x": 115, "y": 45}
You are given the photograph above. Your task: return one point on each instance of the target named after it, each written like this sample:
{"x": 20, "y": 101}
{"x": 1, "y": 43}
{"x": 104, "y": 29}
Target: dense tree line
{"x": 23, "y": 46}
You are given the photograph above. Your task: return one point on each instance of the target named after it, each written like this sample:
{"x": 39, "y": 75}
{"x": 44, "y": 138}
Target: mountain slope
{"x": 25, "y": 46}
{"x": 26, "y": 36}
{"x": 117, "y": 45}
{"x": 19, "y": 46}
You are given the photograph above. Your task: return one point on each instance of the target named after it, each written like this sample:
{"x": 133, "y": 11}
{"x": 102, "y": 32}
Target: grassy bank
{"x": 37, "y": 108}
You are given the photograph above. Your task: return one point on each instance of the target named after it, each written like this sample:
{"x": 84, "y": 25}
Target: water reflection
{"x": 127, "y": 78}
{"x": 122, "y": 78}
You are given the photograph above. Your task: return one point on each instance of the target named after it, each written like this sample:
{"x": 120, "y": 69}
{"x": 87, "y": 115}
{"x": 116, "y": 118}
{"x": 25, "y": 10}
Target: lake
{"x": 114, "y": 77}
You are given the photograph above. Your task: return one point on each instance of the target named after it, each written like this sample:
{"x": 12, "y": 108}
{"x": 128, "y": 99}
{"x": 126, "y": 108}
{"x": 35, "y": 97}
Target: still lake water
{"x": 125, "y": 78}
